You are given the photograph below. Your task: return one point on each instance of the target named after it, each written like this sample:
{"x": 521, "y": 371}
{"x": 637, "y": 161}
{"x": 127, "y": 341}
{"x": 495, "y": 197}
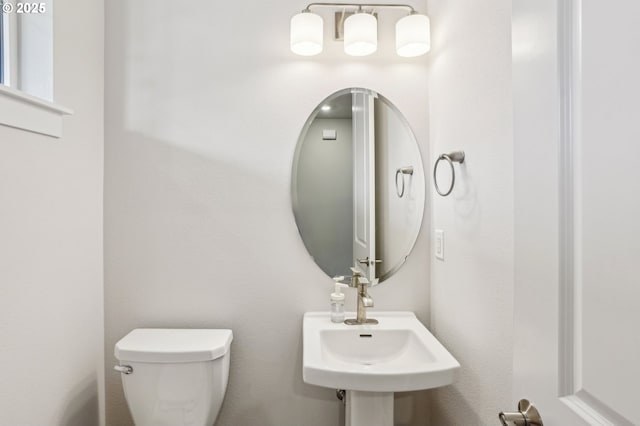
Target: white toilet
{"x": 174, "y": 377}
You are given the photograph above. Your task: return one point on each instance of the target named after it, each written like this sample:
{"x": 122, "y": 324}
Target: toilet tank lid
{"x": 173, "y": 345}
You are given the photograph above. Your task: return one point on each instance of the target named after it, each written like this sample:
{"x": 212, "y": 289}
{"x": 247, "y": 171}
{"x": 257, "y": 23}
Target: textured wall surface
{"x": 51, "y": 293}
{"x": 204, "y": 104}
{"x": 472, "y": 290}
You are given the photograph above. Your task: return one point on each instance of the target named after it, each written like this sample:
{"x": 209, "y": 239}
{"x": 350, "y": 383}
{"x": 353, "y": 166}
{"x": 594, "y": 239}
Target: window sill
{"x": 26, "y": 112}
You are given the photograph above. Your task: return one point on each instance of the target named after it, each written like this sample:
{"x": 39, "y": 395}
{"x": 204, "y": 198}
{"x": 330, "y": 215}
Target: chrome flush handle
{"x": 124, "y": 369}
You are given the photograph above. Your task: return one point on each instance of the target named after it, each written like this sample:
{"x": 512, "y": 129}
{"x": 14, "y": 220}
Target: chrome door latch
{"x": 527, "y": 415}
{"x": 367, "y": 261}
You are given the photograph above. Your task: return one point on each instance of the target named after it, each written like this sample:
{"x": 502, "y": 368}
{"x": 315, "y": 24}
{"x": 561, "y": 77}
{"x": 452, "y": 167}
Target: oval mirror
{"x": 358, "y": 188}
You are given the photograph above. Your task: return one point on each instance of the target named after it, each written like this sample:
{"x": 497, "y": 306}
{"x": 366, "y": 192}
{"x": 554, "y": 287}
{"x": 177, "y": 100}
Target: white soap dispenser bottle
{"x": 337, "y": 301}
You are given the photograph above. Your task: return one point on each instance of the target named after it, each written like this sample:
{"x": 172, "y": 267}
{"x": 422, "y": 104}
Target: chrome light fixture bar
{"x": 360, "y": 30}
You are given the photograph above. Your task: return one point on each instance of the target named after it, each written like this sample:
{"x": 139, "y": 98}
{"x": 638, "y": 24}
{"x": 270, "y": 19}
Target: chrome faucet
{"x": 364, "y": 300}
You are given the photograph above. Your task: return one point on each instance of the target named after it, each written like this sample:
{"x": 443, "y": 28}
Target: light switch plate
{"x": 439, "y": 244}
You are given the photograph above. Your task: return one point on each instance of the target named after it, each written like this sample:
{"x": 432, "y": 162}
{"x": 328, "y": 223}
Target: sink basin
{"x": 398, "y": 354}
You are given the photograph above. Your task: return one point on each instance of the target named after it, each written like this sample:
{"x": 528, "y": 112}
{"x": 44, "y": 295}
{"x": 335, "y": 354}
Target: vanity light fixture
{"x": 359, "y": 30}
{"x": 306, "y": 33}
{"x": 360, "y": 34}
{"x": 413, "y": 35}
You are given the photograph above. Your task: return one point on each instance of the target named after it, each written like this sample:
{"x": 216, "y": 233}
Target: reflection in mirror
{"x": 358, "y": 187}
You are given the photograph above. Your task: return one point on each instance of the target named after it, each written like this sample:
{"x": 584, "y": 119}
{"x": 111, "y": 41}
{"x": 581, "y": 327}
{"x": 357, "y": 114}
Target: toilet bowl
{"x": 174, "y": 377}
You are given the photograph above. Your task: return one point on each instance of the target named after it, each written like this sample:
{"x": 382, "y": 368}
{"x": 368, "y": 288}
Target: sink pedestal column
{"x": 369, "y": 408}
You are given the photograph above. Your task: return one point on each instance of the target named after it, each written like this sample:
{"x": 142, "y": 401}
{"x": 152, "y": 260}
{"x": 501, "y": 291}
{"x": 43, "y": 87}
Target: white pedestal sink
{"x": 371, "y": 362}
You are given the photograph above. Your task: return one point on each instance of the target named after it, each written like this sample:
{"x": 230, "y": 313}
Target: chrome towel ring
{"x": 401, "y": 172}
{"x": 452, "y": 157}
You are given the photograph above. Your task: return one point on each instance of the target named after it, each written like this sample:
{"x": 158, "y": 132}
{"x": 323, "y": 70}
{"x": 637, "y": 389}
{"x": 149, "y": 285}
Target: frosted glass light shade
{"x": 360, "y": 34}
{"x": 306, "y": 34}
{"x": 413, "y": 35}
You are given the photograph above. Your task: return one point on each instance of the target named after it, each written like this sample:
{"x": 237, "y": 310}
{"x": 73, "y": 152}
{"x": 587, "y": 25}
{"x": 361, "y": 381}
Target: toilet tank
{"x": 179, "y": 376}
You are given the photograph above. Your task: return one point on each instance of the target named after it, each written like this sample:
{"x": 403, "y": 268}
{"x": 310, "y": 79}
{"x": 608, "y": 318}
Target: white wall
{"x": 204, "y": 105}
{"x": 323, "y": 198}
{"x": 472, "y": 290}
{"x": 51, "y": 303}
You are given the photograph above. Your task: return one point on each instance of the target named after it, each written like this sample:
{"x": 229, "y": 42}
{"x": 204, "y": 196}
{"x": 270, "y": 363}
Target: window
{"x": 3, "y": 41}
{"x": 1, "y": 47}
{"x": 27, "y": 47}
{"x": 26, "y": 67}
